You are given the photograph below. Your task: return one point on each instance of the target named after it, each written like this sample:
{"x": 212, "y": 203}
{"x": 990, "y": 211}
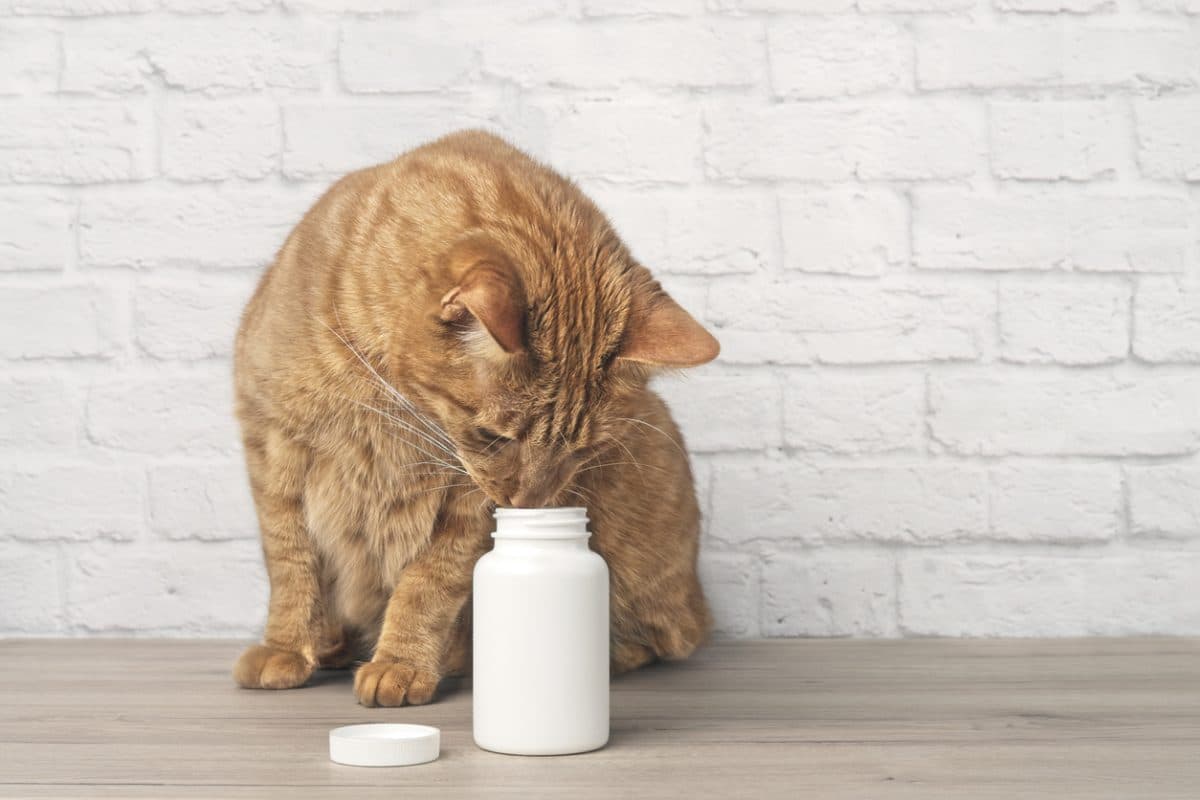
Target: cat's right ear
{"x": 661, "y": 334}
{"x": 491, "y": 294}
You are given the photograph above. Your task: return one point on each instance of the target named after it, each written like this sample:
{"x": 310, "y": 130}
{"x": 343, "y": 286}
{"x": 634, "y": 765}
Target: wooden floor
{"x": 790, "y": 719}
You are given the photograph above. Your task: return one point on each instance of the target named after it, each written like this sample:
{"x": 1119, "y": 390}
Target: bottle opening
{"x": 541, "y": 523}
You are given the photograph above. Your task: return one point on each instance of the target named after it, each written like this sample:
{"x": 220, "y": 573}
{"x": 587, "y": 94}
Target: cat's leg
{"x": 676, "y": 616}
{"x": 420, "y": 621}
{"x": 456, "y": 660}
{"x": 627, "y": 655}
{"x": 667, "y": 619}
{"x": 289, "y": 652}
{"x": 657, "y": 606}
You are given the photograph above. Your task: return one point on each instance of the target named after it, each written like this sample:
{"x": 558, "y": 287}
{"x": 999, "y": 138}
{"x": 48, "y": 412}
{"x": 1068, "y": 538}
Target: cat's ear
{"x": 660, "y": 333}
{"x": 492, "y": 294}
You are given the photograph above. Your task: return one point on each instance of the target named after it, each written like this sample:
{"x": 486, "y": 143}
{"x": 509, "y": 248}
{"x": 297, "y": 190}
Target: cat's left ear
{"x": 661, "y": 334}
{"x": 491, "y": 293}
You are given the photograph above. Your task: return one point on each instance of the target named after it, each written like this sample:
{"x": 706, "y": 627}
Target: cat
{"x": 457, "y": 329}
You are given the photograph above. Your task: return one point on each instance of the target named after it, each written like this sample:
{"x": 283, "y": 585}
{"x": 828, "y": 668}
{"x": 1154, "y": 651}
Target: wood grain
{"x": 803, "y": 718}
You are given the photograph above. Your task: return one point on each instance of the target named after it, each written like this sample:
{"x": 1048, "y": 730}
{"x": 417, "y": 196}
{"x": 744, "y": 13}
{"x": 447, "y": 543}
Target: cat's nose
{"x": 531, "y": 496}
{"x": 539, "y": 484}
{"x": 525, "y": 498}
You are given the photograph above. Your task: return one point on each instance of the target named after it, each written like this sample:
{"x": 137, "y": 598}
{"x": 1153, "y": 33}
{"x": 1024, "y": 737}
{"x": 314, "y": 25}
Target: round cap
{"x": 384, "y": 745}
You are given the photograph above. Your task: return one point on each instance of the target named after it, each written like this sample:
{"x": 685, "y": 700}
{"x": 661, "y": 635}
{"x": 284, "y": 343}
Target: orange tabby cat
{"x": 458, "y": 328}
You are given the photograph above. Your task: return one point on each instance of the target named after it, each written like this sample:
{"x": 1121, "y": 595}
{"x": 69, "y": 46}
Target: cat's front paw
{"x": 394, "y": 683}
{"x": 264, "y": 667}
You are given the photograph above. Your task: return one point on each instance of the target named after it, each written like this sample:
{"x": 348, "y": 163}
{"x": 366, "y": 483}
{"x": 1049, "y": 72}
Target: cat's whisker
{"x": 411, "y": 464}
{"x": 586, "y": 500}
{"x": 492, "y": 444}
{"x": 625, "y": 447}
{"x": 401, "y": 423}
{"x": 392, "y": 390}
{"x": 408, "y": 405}
{"x": 596, "y": 453}
{"x": 436, "y": 458}
{"x": 657, "y": 429}
{"x": 616, "y": 464}
{"x": 438, "y": 473}
{"x": 441, "y": 488}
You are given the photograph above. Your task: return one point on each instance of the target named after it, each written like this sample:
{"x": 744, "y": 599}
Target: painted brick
{"x": 200, "y": 53}
{"x": 838, "y": 593}
{"x": 85, "y": 142}
{"x": 838, "y": 56}
{"x": 60, "y": 322}
{"x": 192, "y": 320}
{"x": 690, "y": 231}
{"x": 164, "y": 415}
{"x": 1053, "y": 6}
{"x": 39, "y": 413}
{"x": 72, "y": 502}
{"x": 167, "y": 588}
{"x": 791, "y": 6}
{"x": 30, "y": 59}
{"x": 1167, "y": 131}
{"x": 1166, "y": 320}
{"x": 853, "y": 414}
{"x": 619, "y": 53}
{"x": 1064, "y": 323}
{"x": 637, "y": 8}
{"x": 214, "y": 6}
{"x": 1182, "y": 6}
{"x": 1164, "y": 500}
{"x": 913, "y": 6}
{"x": 35, "y": 230}
{"x": 1070, "y": 595}
{"x": 1050, "y": 228}
{"x": 31, "y": 589}
{"x": 790, "y": 501}
{"x": 1053, "y": 140}
{"x": 208, "y": 226}
{"x": 1075, "y": 503}
{"x": 377, "y": 55}
{"x": 622, "y": 142}
{"x": 359, "y": 6}
{"x": 71, "y": 8}
{"x": 731, "y": 585}
{"x": 920, "y": 139}
{"x": 720, "y": 412}
{"x": 834, "y": 322}
{"x": 325, "y": 140}
{"x": 1081, "y": 413}
{"x": 849, "y": 231}
{"x": 956, "y": 55}
{"x": 217, "y": 139}
{"x": 203, "y": 501}
{"x": 1133, "y": 57}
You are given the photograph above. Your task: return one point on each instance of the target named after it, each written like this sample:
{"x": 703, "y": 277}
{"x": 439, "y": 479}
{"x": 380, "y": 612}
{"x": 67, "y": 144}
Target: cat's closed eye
{"x": 491, "y": 436}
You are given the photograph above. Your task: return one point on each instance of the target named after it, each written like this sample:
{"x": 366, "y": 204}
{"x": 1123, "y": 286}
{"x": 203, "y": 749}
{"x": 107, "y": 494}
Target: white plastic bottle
{"x": 540, "y": 673}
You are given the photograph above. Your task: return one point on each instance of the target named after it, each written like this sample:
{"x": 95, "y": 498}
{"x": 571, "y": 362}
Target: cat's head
{"x": 548, "y": 362}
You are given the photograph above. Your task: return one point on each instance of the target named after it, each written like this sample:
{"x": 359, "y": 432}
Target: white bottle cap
{"x": 384, "y": 745}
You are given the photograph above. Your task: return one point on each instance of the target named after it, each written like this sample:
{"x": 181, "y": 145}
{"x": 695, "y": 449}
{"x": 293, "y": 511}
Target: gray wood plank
{"x": 821, "y": 718}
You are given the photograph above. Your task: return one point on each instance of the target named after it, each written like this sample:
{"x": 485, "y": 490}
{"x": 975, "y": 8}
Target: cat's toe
{"x": 263, "y": 667}
{"x": 393, "y": 683}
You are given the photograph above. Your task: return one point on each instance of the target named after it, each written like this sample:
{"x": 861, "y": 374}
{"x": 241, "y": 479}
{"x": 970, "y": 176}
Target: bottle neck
{"x": 550, "y": 527}
{"x": 516, "y": 544}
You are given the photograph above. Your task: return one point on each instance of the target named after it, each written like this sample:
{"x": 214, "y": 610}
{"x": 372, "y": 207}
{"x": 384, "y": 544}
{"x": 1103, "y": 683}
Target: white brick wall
{"x": 951, "y": 248}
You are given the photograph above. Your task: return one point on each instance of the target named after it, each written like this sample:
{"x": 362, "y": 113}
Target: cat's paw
{"x": 393, "y": 683}
{"x": 263, "y": 667}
